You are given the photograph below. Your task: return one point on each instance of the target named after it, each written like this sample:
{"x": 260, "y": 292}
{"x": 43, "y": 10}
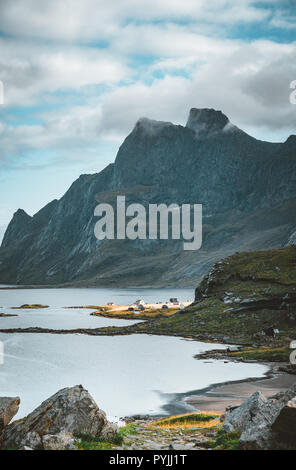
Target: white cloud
{"x": 100, "y": 65}
{"x": 28, "y": 69}
{"x": 247, "y": 80}
{"x": 72, "y": 20}
{"x": 283, "y": 21}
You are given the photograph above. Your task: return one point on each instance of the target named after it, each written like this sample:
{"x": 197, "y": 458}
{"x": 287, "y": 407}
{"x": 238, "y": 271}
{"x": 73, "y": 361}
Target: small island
{"x": 30, "y": 307}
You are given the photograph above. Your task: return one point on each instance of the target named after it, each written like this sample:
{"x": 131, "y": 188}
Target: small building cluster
{"x": 139, "y": 305}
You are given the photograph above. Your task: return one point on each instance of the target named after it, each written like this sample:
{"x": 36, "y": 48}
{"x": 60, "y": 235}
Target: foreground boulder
{"x": 265, "y": 423}
{"x": 241, "y": 416}
{"x": 54, "y": 424}
{"x": 284, "y": 427}
{"x": 63, "y": 440}
{"x": 8, "y": 409}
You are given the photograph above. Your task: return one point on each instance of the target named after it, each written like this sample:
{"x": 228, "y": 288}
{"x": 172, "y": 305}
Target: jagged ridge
{"x": 247, "y": 188}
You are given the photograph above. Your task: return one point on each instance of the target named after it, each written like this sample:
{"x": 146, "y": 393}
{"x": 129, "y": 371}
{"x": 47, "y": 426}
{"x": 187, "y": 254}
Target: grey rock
{"x": 239, "y": 417}
{"x": 284, "y": 426}
{"x": 8, "y": 409}
{"x": 292, "y": 239}
{"x": 109, "y": 431}
{"x": 61, "y": 441}
{"x": 32, "y": 440}
{"x": 207, "y": 122}
{"x": 70, "y": 410}
{"x": 269, "y": 423}
{"x": 176, "y": 446}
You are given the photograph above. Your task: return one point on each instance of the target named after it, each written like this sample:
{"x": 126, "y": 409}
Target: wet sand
{"x": 232, "y": 394}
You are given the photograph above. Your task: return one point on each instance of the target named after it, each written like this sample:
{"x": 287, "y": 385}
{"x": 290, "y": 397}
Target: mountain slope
{"x": 247, "y": 188}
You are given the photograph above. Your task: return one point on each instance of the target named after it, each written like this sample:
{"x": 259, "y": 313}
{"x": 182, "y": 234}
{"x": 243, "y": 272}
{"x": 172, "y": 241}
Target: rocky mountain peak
{"x": 291, "y": 141}
{"x": 17, "y": 227}
{"x": 240, "y": 181}
{"x": 207, "y": 122}
{"x": 150, "y": 126}
{"x": 21, "y": 214}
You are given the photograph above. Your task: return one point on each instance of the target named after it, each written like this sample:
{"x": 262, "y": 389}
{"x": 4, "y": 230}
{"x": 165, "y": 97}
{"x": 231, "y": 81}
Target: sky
{"x": 77, "y": 75}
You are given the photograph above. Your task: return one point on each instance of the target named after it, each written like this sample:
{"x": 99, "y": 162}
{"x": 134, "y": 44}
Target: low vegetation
{"x": 264, "y": 354}
{"x": 184, "y": 430}
{"x": 88, "y": 442}
{"x": 224, "y": 441}
{"x": 188, "y": 420}
{"x": 243, "y": 295}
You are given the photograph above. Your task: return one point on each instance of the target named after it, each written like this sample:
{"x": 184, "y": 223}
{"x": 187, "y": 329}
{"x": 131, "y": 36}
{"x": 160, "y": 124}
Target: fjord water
{"x": 125, "y": 374}
{"x": 89, "y": 296}
{"x": 57, "y": 316}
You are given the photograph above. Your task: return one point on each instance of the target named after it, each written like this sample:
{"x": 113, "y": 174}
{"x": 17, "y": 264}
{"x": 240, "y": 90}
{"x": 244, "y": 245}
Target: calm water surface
{"x": 88, "y": 296}
{"x": 125, "y": 374}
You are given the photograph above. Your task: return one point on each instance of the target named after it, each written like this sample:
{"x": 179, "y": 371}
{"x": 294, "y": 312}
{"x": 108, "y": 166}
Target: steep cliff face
{"x": 292, "y": 239}
{"x": 247, "y": 188}
{"x": 17, "y": 228}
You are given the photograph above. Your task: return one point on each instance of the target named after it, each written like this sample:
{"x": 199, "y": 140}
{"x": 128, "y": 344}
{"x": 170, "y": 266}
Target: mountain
{"x": 247, "y": 188}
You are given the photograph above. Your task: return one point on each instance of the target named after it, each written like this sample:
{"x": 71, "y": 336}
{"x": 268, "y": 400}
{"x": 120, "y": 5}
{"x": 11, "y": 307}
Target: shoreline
{"x": 214, "y": 398}
{"x": 201, "y": 399}
{"x": 120, "y": 331}
{"x": 218, "y": 397}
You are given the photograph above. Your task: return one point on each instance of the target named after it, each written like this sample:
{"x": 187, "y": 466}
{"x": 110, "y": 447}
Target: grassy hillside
{"x": 240, "y": 296}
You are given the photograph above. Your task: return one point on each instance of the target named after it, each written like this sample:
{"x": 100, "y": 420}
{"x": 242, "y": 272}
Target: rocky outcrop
{"x": 267, "y": 268}
{"x": 69, "y": 413}
{"x": 242, "y": 416}
{"x": 247, "y": 189}
{"x": 63, "y": 440}
{"x": 292, "y": 239}
{"x": 8, "y": 409}
{"x": 208, "y": 122}
{"x": 18, "y": 227}
{"x": 265, "y": 423}
{"x": 284, "y": 427}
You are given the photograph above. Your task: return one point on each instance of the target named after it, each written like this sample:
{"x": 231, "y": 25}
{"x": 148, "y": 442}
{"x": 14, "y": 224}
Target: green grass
{"x": 192, "y": 418}
{"x": 128, "y": 429}
{"x": 259, "y": 275}
{"x": 275, "y": 266}
{"x": 225, "y": 441}
{"x": 267, "y": 354}
{"x": 89, "y": 442}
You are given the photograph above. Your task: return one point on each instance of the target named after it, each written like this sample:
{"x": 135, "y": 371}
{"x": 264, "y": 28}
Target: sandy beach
{"x": 232, "y": 394}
